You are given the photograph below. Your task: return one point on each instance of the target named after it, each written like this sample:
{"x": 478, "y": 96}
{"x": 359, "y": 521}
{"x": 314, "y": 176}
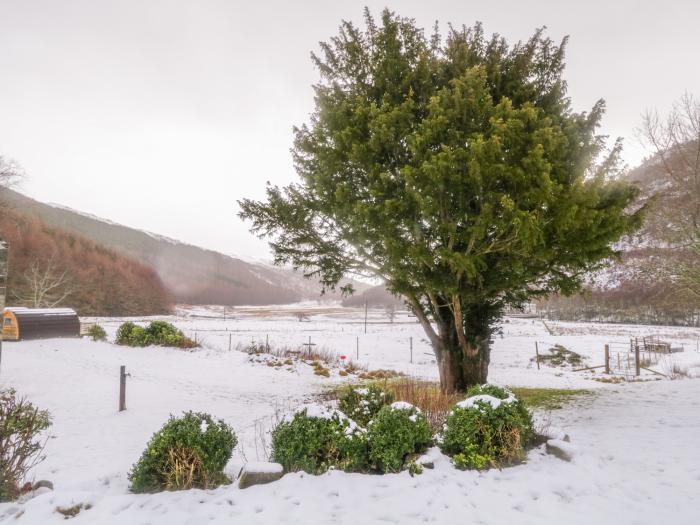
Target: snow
{"x": 636, "y": 455}
{"x": 402, "y": 405}
{"x": 314, "y": 411}
{"x": 263, "y": 467}
{"x": 494, "y": 402}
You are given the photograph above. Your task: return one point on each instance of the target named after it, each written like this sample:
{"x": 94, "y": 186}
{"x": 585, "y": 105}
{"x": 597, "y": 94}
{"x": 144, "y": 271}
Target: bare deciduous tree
{"x": 48, "y": 286}
{"x": 675, "y": 217}
{"x": 10, "y": 172}
{"x": 675, "y": 142}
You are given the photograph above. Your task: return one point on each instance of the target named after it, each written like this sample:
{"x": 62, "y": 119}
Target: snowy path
{"x": 637, "y": 463}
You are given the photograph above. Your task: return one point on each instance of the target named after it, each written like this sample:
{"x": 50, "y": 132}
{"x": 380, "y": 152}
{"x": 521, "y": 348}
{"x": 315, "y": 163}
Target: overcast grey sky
{"x": 161, "y": 114}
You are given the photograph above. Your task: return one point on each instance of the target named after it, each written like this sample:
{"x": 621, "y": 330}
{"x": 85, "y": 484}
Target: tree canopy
{"x": 454, "y": 169}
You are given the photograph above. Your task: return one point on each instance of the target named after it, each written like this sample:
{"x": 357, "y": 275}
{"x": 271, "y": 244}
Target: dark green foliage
{"x": 159, "y": 333}
{"x": 315, "y": 444}
{"x": 97, "y": 333}
{"x": 128, "y": 333}
{"x": 481, "y": 436}
{"x": 363, "y": 404}
{"x": 196, "y": 440}
{"x": 21, "y": 425}
{"x": 394, "y": 434}
{"x": 455, "y": 170}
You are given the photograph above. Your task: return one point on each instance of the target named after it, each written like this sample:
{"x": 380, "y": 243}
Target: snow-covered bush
{"x": 315, "y": 438}
{"x": 491, "y": 427}
{"x": 398, "y": 430}
{"x": 159, "y": 333}
{"x": 21, "y": 425}
{"x": 363, "y": 404}
{"x": 190, "y": 451}
{"x": 97, "y": 333}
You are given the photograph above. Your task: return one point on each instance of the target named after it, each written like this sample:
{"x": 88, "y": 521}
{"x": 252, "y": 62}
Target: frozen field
{"x": 637, "y": 459}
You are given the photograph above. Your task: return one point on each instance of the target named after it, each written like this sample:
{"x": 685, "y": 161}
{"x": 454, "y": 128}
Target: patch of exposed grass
{"x": 73, "y": 511}
{"x": 548, "y": 398}
{"x": 559, "y": 356}
{"x": 380, "y": 374}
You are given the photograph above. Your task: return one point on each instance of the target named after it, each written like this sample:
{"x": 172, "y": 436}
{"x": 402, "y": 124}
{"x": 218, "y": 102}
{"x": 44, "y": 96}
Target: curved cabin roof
{"x": 40, "y": 323}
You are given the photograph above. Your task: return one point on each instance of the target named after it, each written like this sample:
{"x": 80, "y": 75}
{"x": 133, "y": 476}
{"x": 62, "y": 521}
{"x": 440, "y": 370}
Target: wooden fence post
{"x": 537, "y": 355}
{"x": 357, "y": 346}
{"x": 410, "y": 339}
{"x": 229, "y": 342}
{"x": 267, "y": 343}
{"x": 365, "y": 315}
{"x": 607, "y": 359}
{"x": 637, "y": 364}
{"x": 122, "y": 388}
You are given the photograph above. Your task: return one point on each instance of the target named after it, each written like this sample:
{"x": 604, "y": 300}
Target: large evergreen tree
{"x": 455, "y": 170}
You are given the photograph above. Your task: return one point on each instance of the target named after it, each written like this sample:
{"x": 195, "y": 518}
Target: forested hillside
{"x": 191, "y": 274}
{"x": 49, "y": 267}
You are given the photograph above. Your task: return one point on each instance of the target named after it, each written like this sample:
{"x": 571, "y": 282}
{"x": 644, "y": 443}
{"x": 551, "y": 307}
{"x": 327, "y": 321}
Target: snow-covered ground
{"x": 637, "y": 458}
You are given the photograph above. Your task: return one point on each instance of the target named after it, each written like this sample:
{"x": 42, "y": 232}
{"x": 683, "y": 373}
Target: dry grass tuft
{"x": 73, "y": 511}
{"x": 184, "y": 470}
{"x": 320, "y": 358}
{"x": 425, "y": 395}
{"x": 380, "y": 374}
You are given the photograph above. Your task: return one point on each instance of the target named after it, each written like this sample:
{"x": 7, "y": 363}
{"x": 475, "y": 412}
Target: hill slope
{"x": 191, "y": 274}
{"x": 49, "y": 266}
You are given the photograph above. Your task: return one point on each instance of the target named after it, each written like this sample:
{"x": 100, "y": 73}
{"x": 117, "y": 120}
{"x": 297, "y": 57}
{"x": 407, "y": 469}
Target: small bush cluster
{"x": 315, "y": 439}
{"x": 96, "y": 333}
{"x": 363, "y": 404}
{"x": 159, "y": 333}
{"x": 21, "y": 425}
{"x": 397, "y": 430}
{"x": 490, "y": 428}
{"x": 187, "y": 452}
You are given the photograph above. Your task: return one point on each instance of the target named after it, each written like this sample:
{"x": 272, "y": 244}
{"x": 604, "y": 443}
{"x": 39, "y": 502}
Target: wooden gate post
{"x": 537, "y": 355}
{"x": 122, "y": 388}
{"x": 607, "y": 359}
{"x": 637, "y": 364}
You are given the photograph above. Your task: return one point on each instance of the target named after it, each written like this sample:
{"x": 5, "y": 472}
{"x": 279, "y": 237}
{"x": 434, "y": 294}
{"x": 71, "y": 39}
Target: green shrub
{"x": 398, "y": 430}
{"x": 164, "y": 334}
{"x": 490, "y": 428}
{"x": 187, "y": 452}
{"x": 158, "y": 333}
{"x": 315, "y": 439}
{"x": 126, "y": 334}
{"x": 21, "y": 424}
{"x": 415, "y": 469}
{"x": 363, "y": 404}
{"x": 97, "y": 333}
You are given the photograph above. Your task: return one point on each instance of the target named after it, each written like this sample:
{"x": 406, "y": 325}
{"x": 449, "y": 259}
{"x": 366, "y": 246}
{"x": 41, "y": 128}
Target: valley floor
{"x": 636, "y": 462}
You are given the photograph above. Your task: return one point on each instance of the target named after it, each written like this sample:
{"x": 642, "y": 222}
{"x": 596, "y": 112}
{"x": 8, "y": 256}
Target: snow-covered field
{"x": 637, "y": 458}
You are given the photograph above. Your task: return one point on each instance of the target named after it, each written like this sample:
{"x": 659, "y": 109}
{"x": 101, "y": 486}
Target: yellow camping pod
{"x": 20, "y": 323}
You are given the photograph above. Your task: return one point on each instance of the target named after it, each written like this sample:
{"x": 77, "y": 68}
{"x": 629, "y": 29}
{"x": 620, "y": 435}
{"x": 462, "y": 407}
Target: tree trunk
{"x": 458, "y": 370}
{"x": 462, "y": 341}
